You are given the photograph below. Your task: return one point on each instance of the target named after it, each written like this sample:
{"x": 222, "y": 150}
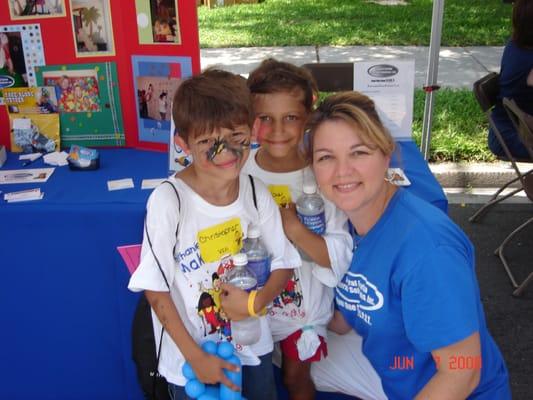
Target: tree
{"x": 90, "y": 16}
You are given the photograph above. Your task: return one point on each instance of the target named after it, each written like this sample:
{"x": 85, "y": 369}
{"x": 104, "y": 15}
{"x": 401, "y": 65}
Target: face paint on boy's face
{"x": 219, "y": 145}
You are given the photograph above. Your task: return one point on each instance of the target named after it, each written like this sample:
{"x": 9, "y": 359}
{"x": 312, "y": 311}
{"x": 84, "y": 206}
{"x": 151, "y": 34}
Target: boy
{"x": 283, "y": 96}
{"x": 213, "y": 115}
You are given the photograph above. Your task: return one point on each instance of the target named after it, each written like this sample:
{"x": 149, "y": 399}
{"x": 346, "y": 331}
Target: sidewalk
{"x": 459, "y": 67}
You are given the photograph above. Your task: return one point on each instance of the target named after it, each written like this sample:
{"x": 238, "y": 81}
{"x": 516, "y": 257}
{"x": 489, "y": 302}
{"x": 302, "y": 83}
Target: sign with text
{"x": 390, "y": 83}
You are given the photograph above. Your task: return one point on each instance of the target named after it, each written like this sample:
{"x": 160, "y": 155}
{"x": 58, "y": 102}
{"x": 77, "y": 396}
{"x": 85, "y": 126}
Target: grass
{"x": 459, "y": 128}
{"x": 352, "y": 22}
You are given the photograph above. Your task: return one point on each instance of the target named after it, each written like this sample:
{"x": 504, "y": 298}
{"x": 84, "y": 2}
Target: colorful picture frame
{"x": 22, "y": 50}
{"x": 155, "y": 79}
{"x": 24, "y": 9}
{"x": 92, "y": 28}
{"x": 158, "y": 21}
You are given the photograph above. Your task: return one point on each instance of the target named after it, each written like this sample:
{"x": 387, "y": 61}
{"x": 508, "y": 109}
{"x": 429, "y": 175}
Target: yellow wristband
{"x": 251, "y": 305}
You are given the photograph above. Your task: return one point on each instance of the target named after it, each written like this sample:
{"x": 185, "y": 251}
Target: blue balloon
{"x": 209, "y": 347}
{"x": 225, "y": 350}
{"x": 194, "y": 388}
{"x": 188, "y": 372}
{"x": 211, "y": 390}
{"x": 207, "y": 397}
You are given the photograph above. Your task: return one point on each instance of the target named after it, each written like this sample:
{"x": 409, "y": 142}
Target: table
{"x": 66, "y": 323}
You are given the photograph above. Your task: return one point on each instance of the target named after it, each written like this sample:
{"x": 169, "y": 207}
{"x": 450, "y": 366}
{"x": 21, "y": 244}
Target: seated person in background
{"x": 516, "y": 80}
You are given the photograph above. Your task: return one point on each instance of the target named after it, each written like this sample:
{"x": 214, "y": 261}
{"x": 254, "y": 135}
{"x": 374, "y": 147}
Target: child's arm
{"x": 208, "y": 368}
{"x": 338, "y": 324}
{"x": 235, "y": 301}
{"x": 312, "y": 244}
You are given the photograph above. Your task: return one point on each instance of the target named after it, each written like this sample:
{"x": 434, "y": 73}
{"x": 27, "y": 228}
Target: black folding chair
{"x": 332, "y": 77}
{"x": 519, "y": 120}
{"x": 486, "y": 91}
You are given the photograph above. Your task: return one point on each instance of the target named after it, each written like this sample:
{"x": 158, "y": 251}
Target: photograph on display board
{"x": 88, "y": 99}
{"x": 92, "y": 28}
{"x": 21, "y": 49}
{"x": 158, "y": 21}
{"x": 155, "y": 80}
{"x": 24, "y": 9}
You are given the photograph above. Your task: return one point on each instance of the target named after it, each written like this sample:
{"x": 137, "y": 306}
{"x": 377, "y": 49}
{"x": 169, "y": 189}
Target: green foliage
{"x": 459, "y": 127}
{"x": 352, "y": 22}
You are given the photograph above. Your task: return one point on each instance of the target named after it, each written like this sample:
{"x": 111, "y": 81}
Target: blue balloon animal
{"x": 198, "y": 390}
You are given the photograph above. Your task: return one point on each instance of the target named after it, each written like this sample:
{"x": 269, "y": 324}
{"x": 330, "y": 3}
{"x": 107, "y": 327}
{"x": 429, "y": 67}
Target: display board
{"x": 61, "y": 34}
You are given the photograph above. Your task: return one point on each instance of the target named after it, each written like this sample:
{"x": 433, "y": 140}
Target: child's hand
{"x": 234, "y": 302}
{"x": 210, "y": 369}
{"x": 291, "y": 223}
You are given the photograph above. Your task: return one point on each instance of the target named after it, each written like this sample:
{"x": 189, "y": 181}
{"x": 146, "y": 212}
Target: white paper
{"x": 24, "y": 195}
{"x": 120, "y": 184}
{"x": 390, "y": 84}
{"x": 151, "y": 183}
{"x": 25, "y": 175}
{"x": 56, "y": 158}
{"x": 21, "y": 123}
{"x": 31, "y": 157}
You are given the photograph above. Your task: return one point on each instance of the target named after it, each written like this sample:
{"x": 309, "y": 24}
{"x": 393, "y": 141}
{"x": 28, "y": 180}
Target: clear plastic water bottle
{"x": 310, "y": 210}
{"x": 246, "y": 331}
{"x": 258, "y": 255}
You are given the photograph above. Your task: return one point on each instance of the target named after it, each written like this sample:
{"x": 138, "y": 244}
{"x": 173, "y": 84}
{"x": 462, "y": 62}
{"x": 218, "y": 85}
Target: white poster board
{"x": 391, "y": 84}
{"x": 177, "y": 158}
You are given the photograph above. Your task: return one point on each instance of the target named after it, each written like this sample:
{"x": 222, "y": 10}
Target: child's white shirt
{"x": 308, "y": 301}
{"x": 186, "y": 270}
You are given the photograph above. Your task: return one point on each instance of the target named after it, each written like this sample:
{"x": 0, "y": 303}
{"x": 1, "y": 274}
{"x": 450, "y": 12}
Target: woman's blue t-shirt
{"x": 411, "y": 288}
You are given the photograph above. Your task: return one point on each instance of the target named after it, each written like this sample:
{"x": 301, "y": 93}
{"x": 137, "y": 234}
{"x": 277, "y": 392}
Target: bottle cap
{"x": 253, "y": 232}
{"x": 240, "y": 259}
{"x": 309, "y": 188}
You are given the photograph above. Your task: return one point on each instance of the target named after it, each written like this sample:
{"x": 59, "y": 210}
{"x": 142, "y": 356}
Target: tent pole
{"x": 433, "y": 67}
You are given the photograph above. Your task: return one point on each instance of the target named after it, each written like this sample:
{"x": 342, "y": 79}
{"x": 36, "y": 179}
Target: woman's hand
{"x": 234, "y": 301}
{"x": 209, "y": 369}
{"x": 338, "y": 324}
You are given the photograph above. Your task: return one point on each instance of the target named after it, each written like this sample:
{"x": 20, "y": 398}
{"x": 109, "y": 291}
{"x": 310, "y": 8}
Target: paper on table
{"x": 25, "y": 175}
{"x": 131, "y": 255}
{"x": 56, "y": 158}
{"x": 24, "y": 195}
{"x": 151, "y": 183}
{"x": 31, "y": 157}
{"x": 119, "y": 184}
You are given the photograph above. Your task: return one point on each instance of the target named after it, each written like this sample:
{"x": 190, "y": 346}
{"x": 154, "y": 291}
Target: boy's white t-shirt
{"x": 308, "y": 299}
{"x": 203, "y": 231}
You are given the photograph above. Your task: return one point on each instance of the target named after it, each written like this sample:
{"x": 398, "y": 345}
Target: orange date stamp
{"x": 460, "y": 362}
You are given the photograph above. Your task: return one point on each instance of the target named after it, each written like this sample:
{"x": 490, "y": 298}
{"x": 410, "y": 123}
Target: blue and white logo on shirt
{"x": 356, "y": 293}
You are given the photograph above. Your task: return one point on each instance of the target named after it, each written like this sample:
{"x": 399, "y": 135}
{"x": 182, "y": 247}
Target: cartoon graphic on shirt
{"x": 290, "y": 300}
{"x": 208, "y": 311}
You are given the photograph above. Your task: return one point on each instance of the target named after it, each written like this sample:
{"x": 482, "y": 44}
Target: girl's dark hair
{"x": 273, "y": 76}
{"x": 211, "y": 100}
{"x": 523, "y": 23}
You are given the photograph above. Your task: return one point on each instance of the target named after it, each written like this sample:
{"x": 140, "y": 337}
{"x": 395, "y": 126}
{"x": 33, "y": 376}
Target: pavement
{"x": 459, "y": 67}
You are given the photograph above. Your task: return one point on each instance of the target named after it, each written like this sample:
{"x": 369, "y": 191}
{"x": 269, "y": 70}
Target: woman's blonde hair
{"x": 357, "y": 110}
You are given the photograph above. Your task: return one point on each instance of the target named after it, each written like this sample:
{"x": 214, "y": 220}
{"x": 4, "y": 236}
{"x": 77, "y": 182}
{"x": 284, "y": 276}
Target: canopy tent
{"x": 431, "y": 80}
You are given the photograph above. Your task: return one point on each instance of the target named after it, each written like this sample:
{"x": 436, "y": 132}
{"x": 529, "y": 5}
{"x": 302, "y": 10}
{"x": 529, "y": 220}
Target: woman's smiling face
{"x": 348, "y": 171}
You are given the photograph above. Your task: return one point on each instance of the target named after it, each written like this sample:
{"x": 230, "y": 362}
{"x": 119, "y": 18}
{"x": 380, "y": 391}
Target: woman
{"x": 411, "y": 290}
{"x": 516, "y": 81}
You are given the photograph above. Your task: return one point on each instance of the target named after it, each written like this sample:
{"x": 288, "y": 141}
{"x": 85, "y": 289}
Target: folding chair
{"x": 332, "y": 77}
{"x": 519, "y": 120}
{"x": 486, "y": 91}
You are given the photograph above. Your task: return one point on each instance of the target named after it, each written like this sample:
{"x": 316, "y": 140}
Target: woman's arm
{"x": 458, "y": 371}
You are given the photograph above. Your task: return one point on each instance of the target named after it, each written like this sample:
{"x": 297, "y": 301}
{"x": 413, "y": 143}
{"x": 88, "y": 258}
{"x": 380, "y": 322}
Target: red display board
{"x": 60, "y": 47}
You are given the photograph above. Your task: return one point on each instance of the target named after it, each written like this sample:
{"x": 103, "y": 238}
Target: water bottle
{"x": 258, "y": 255}
{"x": 310, "y": 210}
{"x": 246, "y": 331}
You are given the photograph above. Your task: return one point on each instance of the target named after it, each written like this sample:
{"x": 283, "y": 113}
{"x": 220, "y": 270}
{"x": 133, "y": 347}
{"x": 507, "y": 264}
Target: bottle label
{"x": 261, "y": 269}
{"x": 315, "y": 223}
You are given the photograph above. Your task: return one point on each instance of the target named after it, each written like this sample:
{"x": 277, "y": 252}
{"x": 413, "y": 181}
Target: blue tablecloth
{"x": 65, "y": 326}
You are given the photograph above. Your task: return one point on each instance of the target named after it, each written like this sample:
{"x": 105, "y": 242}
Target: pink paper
{"x": 131, "y": 255}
